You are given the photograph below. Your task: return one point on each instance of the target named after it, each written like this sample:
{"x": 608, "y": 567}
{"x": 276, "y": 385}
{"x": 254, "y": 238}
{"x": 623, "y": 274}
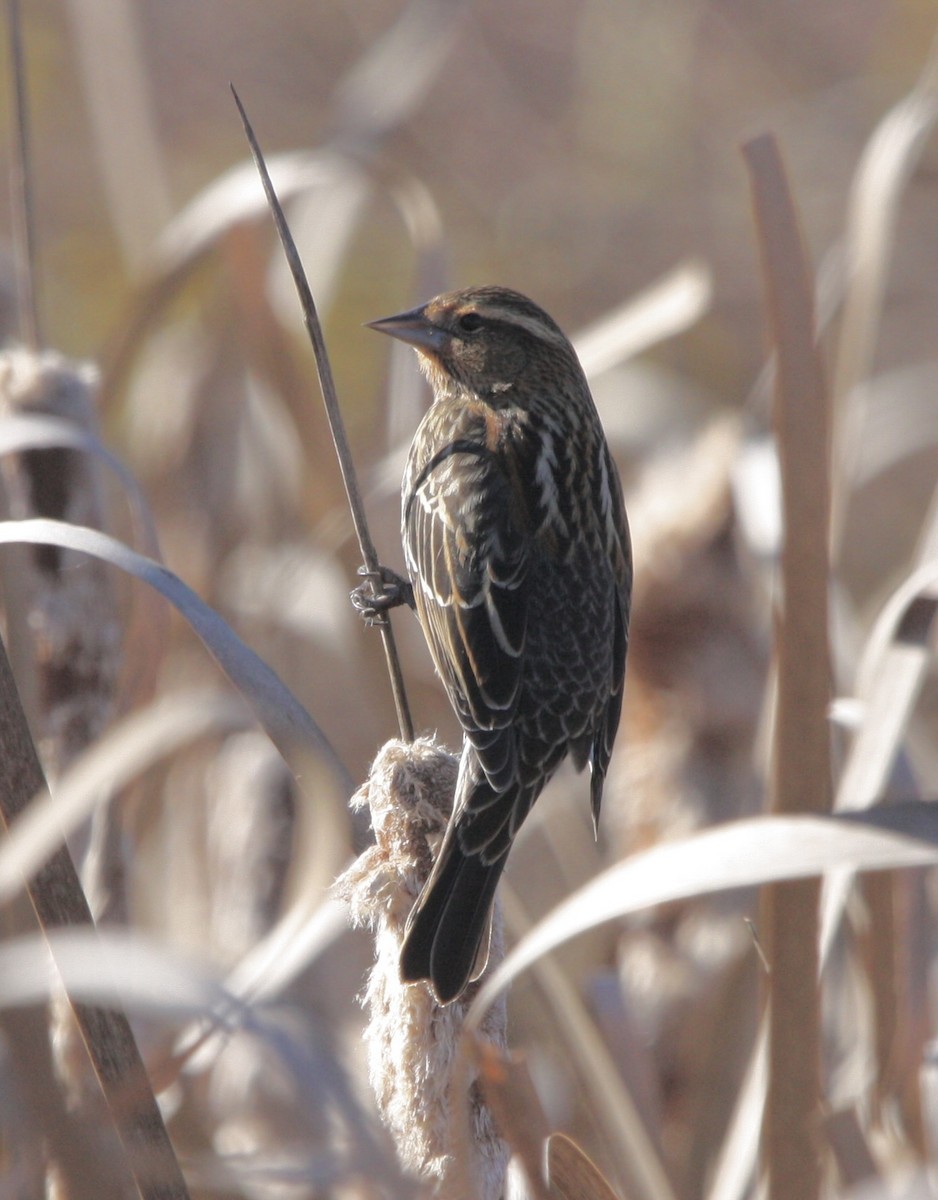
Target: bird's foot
{"x": 381, "y": 590}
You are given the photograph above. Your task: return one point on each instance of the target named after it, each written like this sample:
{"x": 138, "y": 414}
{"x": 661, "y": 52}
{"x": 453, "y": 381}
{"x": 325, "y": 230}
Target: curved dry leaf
{"x": 380, "y": 92}
{"x": 889, "y": 679}
{"x": 293, "y": 585}
{"x": 386, "y": 86}
{"x": 736, "y": 1162}
{"x": 291, "y": 946}
{"x": 131, "y": 747}
{"x": 310, "y": 923}
{"x": 236, "y": 197}
{"x": 37, "y": 431}
{"x": 323, "y": 221}
{"x": 637, "y": 1157}
{"x": 22, "y": 431}
{"x": 282, "y": 716}
{"x": 757, "y": 493}
{"x": 664, "y": 309}
{"x": 109, "y": 56}
{"x": 113, "y": 968}
{"x": 899, "y": 419}
{"x": 509, "y": 1092}
{"x": 890, "y": 157}
{"x": 122, "y": 969}
{"x": 572, "y": 1174}
{"x": 902, "y": 637}
{"x": 743, "y": 853}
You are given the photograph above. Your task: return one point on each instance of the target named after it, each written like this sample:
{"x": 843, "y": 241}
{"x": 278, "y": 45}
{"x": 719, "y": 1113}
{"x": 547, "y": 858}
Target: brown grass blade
{"x": 887, "y": 166}
{"x": 801, "y": 755}
{"x": 284, "y": 718}
{"x": 59, "y": 901}
{"x": 634, "y": 1156}
{"x": 336, "y": 423}
{"x": 736, "y": 854}
{"x": 572, "y": 1174}
{"x": 509, "y": 1091}
{"x": 121, "y": 755}
{"x": 24, "y": 236}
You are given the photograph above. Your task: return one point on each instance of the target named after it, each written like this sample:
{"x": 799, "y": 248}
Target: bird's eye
{"x": 470, "y": 322}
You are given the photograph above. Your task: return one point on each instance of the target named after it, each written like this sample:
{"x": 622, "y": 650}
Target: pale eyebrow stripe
{"x": 530, "y": 323}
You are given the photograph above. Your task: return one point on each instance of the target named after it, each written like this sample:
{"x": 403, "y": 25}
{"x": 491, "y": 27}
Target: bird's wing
{"x": 467, "y": 553}
{"x": 622, "y": 569}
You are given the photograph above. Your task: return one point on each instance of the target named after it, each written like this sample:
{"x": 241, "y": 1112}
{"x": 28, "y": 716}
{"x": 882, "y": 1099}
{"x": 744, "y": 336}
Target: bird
{"x": 519, "y": 567}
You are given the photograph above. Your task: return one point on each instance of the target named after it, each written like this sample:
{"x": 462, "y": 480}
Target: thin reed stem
{"x": 59, "y": 902}
{"x": 801, "y": 770}
{"x": 336, "y": 424}
{"x": 21, "y": 190}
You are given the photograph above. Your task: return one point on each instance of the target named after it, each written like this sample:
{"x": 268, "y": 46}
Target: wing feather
{"x": 466, "y": 547}
{"x": 621, "y": 548}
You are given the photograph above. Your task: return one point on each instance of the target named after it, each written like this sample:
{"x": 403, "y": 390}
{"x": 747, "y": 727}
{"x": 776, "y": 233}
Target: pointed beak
{"x": 413, "y": 327}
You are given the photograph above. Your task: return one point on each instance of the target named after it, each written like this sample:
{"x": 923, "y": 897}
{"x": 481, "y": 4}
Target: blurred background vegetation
{"x": 578, "y": 152}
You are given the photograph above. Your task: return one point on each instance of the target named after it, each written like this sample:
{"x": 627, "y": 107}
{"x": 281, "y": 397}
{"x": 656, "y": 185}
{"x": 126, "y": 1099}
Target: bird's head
{"x": 489, "y": 340}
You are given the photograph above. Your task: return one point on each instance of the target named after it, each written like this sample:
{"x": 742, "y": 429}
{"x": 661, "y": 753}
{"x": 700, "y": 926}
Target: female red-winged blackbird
{"x": 517, "y": 547}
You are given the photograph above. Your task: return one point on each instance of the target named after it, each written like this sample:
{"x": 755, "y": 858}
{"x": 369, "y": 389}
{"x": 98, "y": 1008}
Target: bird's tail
{"x": 449, "y": 920}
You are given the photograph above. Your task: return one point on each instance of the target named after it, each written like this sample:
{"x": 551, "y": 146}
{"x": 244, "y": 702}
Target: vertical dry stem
{"x": 801, "y": 780}
{"x": 22, "y": 209}
{"x": 336, "y": 423}
{"x": 58, "y": 900}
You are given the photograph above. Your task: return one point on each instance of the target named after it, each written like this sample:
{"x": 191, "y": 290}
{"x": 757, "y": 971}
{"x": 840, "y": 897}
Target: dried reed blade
{"x": 506, "y": 1084}
{"x": 21, "y": 197}
{"x": 83, "y": 1157}
{"x": 633, "y": 1152}
{"x": 801, "y": 772}
{"x": 58, "y": 899}
{"x": 283, "y": 717}
{"x": 572, "y": 1174}
{"x": 889, "y": 160}
{"x": 336, "y": 423}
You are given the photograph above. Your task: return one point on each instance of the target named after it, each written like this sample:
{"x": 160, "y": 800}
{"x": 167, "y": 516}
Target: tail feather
{"x": 449, "y": 920}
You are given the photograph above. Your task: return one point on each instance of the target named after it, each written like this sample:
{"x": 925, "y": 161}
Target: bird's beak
{"x": 413, "y": 327}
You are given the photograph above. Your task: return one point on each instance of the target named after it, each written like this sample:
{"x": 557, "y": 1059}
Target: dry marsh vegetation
{"x": 730, "y": 994}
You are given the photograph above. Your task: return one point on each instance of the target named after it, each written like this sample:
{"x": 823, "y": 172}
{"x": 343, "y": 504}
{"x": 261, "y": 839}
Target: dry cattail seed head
{"x": 412, "y": 1041}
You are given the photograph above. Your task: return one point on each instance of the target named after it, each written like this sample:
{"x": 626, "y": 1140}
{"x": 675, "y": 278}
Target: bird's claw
{"x": 381, "y": 591}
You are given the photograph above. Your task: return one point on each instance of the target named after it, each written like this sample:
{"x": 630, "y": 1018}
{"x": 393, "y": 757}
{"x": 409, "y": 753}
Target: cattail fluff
{"x": 411, "y": 1041}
